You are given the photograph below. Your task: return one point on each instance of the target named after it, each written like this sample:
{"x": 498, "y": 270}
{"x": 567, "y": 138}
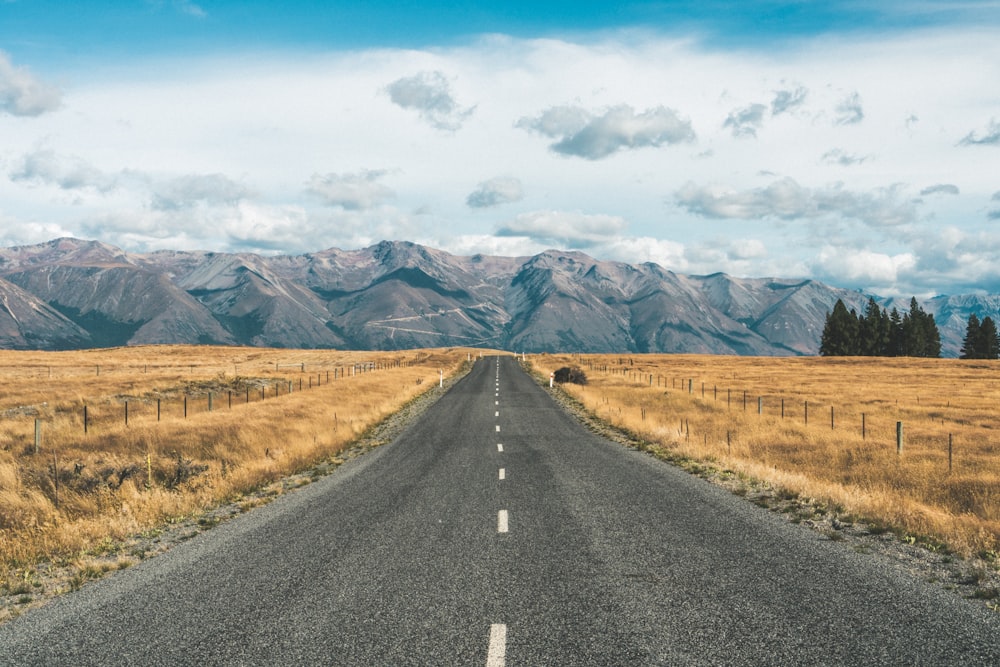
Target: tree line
{"x": 877, "y": 333}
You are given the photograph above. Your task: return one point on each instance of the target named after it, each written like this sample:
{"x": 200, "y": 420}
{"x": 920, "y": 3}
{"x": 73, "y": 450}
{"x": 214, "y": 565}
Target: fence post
{"x": 760, "y": 405}
{"x": 126, "y": 413}
{"x": 899, "y": 438}
{"x": 85, "y": 419}
{"x": 38, "y": 434}
{"x": 949, "y": 452}
{"x": 863, "y": 433}
{"x": 209, "y": 401}
{"x": 807, "y": 411}
{"x": 831, "y": 417}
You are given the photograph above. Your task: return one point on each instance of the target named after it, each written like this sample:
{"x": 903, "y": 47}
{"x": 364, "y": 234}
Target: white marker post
{"x": 441, "y": 378}
{"x": 552, "y": 378}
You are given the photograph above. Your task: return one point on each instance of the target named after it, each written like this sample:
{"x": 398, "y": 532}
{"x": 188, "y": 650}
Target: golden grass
{"x": 823, "y": 428}
{"x": 82, "y": 488}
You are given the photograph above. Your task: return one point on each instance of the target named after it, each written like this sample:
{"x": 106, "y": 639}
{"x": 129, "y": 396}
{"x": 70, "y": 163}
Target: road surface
{"x": 497, "y": 531}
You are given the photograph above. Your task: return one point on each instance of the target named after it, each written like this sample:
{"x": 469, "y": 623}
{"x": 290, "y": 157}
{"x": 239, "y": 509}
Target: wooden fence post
{"x": 899, "y": 438}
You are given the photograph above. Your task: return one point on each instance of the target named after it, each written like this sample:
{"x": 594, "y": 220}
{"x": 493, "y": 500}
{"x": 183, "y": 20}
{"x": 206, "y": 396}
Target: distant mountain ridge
{"x": 70, "y": 293}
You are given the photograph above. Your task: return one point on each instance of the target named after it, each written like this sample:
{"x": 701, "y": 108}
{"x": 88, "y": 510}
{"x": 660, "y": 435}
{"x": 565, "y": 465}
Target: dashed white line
{"x": 498, "y": 412}
{"x": 498, "y": 428}
{"x": 499, "y": 447}
{"x": 503, "y": 473}
{"x": 502, "y": 521}
{"x": 496, "y": 656}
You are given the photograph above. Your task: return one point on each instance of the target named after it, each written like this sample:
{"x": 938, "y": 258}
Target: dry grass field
{"x": 204, "y": 426}
{"x": 824, "y": 428}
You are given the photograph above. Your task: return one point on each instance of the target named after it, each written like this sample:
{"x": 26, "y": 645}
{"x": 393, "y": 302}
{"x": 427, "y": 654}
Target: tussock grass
{"x": 81, "y": 491}
{"x": 693, "y": 406}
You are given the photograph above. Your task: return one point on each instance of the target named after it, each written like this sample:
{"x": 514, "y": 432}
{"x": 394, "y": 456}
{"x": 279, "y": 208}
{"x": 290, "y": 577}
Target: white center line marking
{"x": 497, "y": 414}
{"x": 499, "y": 447}
{"x": 496, "y": 656}
{"x": 502, "y": 521}
{"x": 503, "y": 473}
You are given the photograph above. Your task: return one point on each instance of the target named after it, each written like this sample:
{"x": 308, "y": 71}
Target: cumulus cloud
{"x": 22, "y": 94}
{"x": 839, "y": 157}
{"x": 940, "y": 189}
{"x": 864, "y": 267}
{"x": 788, "y": 100}
{"x": 494, "y": 192}
{"x": 353, "y": 191}
{"x": 746, "y": 121}
{"x": 850, "y": 110}
{"x": 187, "y": 191}
{"x": 785, "y": 199}
{"x": 44, "y": 167}
{"x": 429, "y": 94}
{"x": 989, "y": 138}
{"x": 583, "y": 134}
{"x": 571, "y": 230}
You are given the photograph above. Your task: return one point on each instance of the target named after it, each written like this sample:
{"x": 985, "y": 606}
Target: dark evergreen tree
{"x": 895, "y": 334}
{"x": 988, "y": 346}
{"x": 970, "y": 344}
{"x": 840, "y": 332}
{"x": 920, "y": 333}
{"x": 873, "y": 331}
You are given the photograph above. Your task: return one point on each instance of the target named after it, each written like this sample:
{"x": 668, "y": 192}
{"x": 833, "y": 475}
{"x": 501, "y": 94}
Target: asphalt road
{"x": 494, "y": 531}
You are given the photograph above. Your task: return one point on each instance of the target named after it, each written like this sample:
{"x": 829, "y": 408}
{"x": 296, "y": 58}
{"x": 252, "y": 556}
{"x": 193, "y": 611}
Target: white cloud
{"x": 850, "y": 111}
{"x": 842, "y": 158}
{"x": 570, "y": 230}
{"x": 940, "y": 189}
{"x": 186, "y": 191}
{"x": 22, "y": 94}
{"x": 429, "y": 93}
{"x": 496, "y": 191}
{"x": 991, "y": 137}
{"x": 746, "y": 121}
{"x": 788, "y": 100}
{"x": 860, "y": 266}
{"x": 583, "y": 134}
{"x": 353, "y": 191}
{"x": 785, "y": 199}
{"x": 44, "y": 167}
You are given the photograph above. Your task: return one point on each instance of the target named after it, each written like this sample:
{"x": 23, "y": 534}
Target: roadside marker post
{"x": 552, "y": 379}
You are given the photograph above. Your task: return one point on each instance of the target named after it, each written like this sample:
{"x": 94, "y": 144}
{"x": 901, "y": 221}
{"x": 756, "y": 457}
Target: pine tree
{"x": 895, "y": 334}
{"x": 840, "y": 332}
{"x": 971, "y": 342}
{"x": 988, "y": 346}
{"x": 920, "y": 333}
{"x": 873, "y": 331}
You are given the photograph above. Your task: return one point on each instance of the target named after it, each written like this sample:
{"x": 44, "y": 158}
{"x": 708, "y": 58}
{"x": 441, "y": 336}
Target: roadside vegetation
{"x": 99, "y": 445}
{"x": 827, "y": 429}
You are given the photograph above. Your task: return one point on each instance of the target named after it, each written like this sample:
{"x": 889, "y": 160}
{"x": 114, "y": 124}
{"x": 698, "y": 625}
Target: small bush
{"x": 574, "y": 375}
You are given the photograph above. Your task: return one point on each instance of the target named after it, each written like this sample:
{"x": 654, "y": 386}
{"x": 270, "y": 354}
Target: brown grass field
{"x": 823, "y": 428}
{"x": 273, "y": 412}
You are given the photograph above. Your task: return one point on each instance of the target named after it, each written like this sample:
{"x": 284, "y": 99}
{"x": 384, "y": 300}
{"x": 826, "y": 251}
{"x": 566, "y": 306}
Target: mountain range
{"x": 71, "y": 293}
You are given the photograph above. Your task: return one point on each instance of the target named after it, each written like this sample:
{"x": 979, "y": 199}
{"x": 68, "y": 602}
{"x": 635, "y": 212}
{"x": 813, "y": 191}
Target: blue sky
{"x": 853, "y": 142}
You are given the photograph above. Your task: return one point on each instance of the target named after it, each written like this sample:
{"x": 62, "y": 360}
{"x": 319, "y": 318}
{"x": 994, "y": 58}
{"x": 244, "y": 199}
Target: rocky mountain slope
{"x": 70, "y": 293}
